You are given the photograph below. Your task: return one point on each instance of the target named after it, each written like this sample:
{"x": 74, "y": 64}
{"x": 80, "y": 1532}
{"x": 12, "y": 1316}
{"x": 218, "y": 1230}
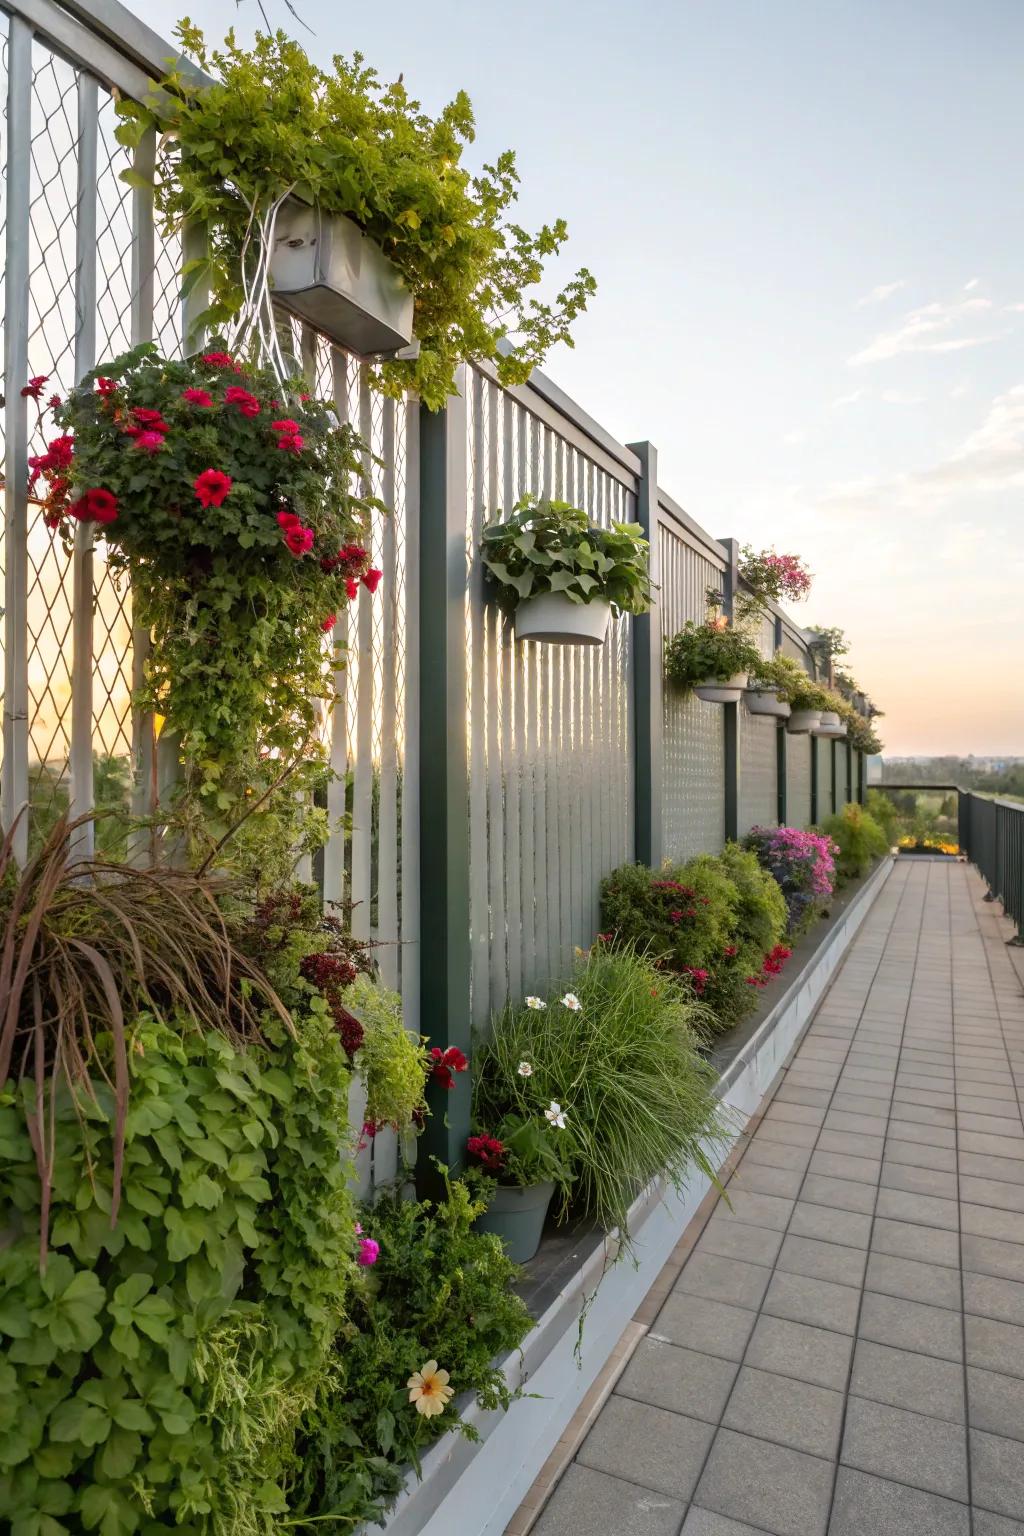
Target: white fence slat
{"x": 480, "y": 926}
{"x": 362, "y": 791}
{"x": 411, "y": 742}
{"x": 334, "y": 849}
{"x": 386, "y": 616}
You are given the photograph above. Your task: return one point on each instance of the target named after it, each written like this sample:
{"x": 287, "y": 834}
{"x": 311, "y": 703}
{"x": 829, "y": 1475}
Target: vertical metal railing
{"x": 992, "y": 836}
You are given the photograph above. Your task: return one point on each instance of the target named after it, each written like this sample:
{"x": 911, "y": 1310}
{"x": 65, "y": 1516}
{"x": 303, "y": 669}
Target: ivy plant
{"x": 550, "y": 546}
{"x": 343, "y": 139}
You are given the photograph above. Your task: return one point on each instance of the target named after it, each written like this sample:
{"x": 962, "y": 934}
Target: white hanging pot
{"x": 722, "y": 690}
{"x": 555, "y": 618}
{"x": 327, "y": 271}
{"x": 830, "y": 724}
{"x": 803, "y": 720}
{"x": 766, "y": 701}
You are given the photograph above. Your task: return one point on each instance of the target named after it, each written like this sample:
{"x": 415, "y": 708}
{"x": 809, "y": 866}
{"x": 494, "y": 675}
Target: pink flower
{"x": 369, "y": 1252}
{"x": 211, "y": 487}
{"x": 54, "y": 401}
{"x": 197, "y": 396}
{"x": 149, "y": 442}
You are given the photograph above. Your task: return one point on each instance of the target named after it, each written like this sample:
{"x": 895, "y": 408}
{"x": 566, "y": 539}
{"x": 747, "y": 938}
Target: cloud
{"x": 959, "y": 391}
{"x": 1014, "y": 309}
{"x": 881, "y": 293}
{"x": 850, "y": 399}
{"x": 794, "y": 438}
{"x": 900, "y": 397}
{"x": 927, "y": 330}
{"x": 974, "y": 282}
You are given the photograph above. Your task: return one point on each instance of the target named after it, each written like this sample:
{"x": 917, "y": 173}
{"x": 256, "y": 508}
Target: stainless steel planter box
{"x": 326, "y": 271}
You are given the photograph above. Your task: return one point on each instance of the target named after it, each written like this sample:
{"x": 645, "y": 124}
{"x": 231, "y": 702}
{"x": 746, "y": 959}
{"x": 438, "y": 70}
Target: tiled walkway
{"x": 843, "y": 1351}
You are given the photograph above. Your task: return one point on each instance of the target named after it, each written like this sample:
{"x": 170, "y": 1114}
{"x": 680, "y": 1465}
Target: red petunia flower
{"x": 197, "y": 396}
{"x": 247, "y": 403}
{"x": 288, "y": 521}
{"x": 54, "y": 401}
{"x": 218, "y": 360}
{"x": 351, "y": 588}
{"x": 290, "y": 442}
{"x": 95, "y": 506}
{"x": 150, "y": 441}
{"x": 211, "y": 487}
{"x": 299, "y": 541}
{"x": 328, "y": 624}
{"x": 445, "y": 1063}
{"x": 34, "y": 388}
{"x": 489, "y": 1152}
{"x": 149, "y": 418}
{"x": 106, "y": 386}
{"x": 287, "y": 425}
{"x": 371, "y": 581}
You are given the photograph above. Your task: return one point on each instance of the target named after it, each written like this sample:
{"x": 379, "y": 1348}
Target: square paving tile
{"x": 822, "y": 1261}
{"x": 861, "y": 1125}
{"x": 987, "y": 1524}
{"x": 790, "y": 1412}
{"x": 987, "y": 1221}
{"x": 755, "y": 1210}
{"x": 783, "y": 1130}
{"x": 925, "y": 1210}
{"x": 906, "y": 1447}
{"x": 680, "y": 1380}
{"x": 935, "y": 1284}
{"x": 819, "y": 1302}
{"x": 1008, "y": 1196}
{"x": 873, "y": 1506}
{"x": 784, "y": 1491}
{"x": 920, "y": 1181}
{"x": 848, "y": 1227}
{"x": 777, "y": 1154}
{"x": 990, "y": 1296}
{"x": 757, "y": 1179}
{"x": 930, "y": 1245}
{"x": 996, "y": 1146}
{"x": 734, "y": 1240}
{"x": 801, "y": 1351}
{"x": 908, "y": 1380}
{"x": 997, "y": 1473}
{"x": 841, "y": 1194}
{"x": 587, "y": 1501}
{"x": 710, "y": 1327}
{"x": 720, "y": 1279}
{"x": 849, "y": 1141}
{"x": 911, "y": 1325}
{"x": 863, "y": 1170}
{"x": 989, "y": 1256}
{"x": 995, "y": 1403}
{"x": 995, "y": 1346}
{"x": 659, "y": 1450}
{"x": 901, "y": 1129}
{"x": 914, "y": 1155}
{"x": 703, "y": 1522}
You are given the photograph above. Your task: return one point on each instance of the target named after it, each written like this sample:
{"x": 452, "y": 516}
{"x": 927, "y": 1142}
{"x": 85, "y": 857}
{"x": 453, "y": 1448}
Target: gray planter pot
{"x": 325, "y": 270}
{"x": 803, "y": 720}
{"x": 722, "y": 690}
{"x": 830, "y": 724}
{"x": 516, "y": 1215}
{"x": 766, "y": 701}
{"x": 553, "y": 617}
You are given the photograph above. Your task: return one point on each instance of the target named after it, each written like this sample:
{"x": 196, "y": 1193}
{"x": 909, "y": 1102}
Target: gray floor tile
{"x": 988, "y": 1221}
{"x": 904, "y": 1379}
{"x": 993, "y": 1170}
{"x": 662, "y": 1451}
{"x": 987, "y": 1524}
{"x": 997, "y": 1146}
{"x": 861, "y": 1125}
{"x": 990, "y": 1296}
{"x": 760, "y": 1180}
{"x": 703, "y": 1522}
{"x": 906, "y": 1094}
{"x": 924, "y": 1114}
{"x": 710, "y": 1327}
{"x": 784, "y": 1491}
{"x": 586, "y": 1501}
{"x": 915, "y": 1155}
{"x": 997, "y": 1473}
{"x": 755, "y": 1210}
{"x": 989, "y": 1256}
{"x": 822, "y": 1261}
{"x": 796, "y": 1093}
{"x": 995, "y": 1403}
{"x": 930, "y": 1245}
{"x": 794, "y": 1114}
{"x": 919, "y": 1181}
{"x": 720, "y": 1279}
{"x": 994, "y": 1346}
{"x": 991, "y": 1191}
{"x": 734, "y": 1240}
{"x": 794, "y": 1413}
{"x": 865, "y": 1170}
{"x": 782, "y": 1130}
{"x": 906, "y": 1447}
{"x": 985, "y": 1104}
{"x": 776, "y": 1154}
{"x": 992, "y": 1125}
{"x": 841, "y": 1194}
{"x": 681, "y": 1380}
{"x": 850, "y": 1102}
{"x": 911, "y": 1325}
{"x": 901, "y": 1129}
{"x": 925, "y": 1210}
{"x": 798, "y": 1350}
{"x": 873, "y": 1506}
{"x": 847, "y": 1227}
{"x": 849, "y": 1141}
{"x": 935, "y": 1284}
{"x": 820, "y": 1303}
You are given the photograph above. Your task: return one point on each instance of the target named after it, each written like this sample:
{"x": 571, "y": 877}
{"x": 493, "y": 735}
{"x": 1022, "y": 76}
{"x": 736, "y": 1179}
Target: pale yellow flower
{"x": 429, "y": 1389}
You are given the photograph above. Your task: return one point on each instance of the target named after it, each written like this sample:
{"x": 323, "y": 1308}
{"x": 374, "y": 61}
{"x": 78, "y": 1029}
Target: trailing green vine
{"x": 273, "y": 121}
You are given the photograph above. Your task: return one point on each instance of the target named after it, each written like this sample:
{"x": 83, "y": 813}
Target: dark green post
{"x": 781, "y": 745}
{"x": 814, "y": 779}
{"x": 647, "y": 677}
{"x": 833, "y": 745}
{"x": 444, "y": 790}
{"x": 851, "y": 791}
{"x": 731, "y": 712}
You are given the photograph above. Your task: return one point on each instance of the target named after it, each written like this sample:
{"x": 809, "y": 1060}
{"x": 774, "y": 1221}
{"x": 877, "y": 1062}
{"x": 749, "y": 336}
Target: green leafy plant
{"x": 618, "y": 1053}
{"x": 550, "y": 546}
{"x": 714, "y": 649}
{"x": 225, "y": 499}
{"x": 829, "y": 643}
{"x": 438, "y": 1292}
{"x": 273, "y": 122}
{"x": 520, "y": 1137}
{"x": 393, "y": 1062}
{"x": 882, "y": 808}
{"x": 772, "y": 576}
{"x": 862, "y": 734}
{"x": 760, "y": 907}
{"x": 859, "y": 840}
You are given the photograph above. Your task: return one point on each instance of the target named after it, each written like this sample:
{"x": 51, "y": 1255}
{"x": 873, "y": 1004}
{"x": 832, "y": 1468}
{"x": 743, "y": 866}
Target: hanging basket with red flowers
{"x": 234, "y": 506}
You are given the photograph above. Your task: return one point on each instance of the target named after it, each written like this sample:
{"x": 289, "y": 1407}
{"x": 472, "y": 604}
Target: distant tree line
{"x": 968, "y": 772}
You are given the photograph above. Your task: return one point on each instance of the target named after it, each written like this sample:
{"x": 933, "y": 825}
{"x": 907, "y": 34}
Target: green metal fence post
{"x": 647, "y": 677}
{"x": 833, "y": 745}
{"x": 731, "y": 712}
{"x": 781, "y": 744}
{"x": 851, "y": 793}
{"x": 444, "y": 957}
{"x": 814, "y": 779}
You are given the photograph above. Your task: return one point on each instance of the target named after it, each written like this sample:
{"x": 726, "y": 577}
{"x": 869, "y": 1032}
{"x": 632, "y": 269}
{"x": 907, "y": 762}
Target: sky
{"x": 806, "y": 224}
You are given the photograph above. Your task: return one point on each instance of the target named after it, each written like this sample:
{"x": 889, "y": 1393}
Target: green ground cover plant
{"x": 859, "y": 841}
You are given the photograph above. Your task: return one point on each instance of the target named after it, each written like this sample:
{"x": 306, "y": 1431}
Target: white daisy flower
{"x": 535, "y": 1002}
{"x": 572, "y": 1002}
{"x": 555, "y": 1114}
{"x": 524, "y": 1069}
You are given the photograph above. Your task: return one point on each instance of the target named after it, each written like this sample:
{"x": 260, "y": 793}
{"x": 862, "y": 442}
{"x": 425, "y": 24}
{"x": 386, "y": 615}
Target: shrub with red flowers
{"x": 231, "y": 503}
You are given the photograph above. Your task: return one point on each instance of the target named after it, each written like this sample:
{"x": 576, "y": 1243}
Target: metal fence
{"x": 992, "y": 836}
{"x": 488, "y": 785}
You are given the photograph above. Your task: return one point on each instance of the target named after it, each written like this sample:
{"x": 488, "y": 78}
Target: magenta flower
{"x": 369, "y": 1252}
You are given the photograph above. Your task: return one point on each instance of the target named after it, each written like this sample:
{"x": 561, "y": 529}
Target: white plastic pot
{"x": 766, "y": 701}
{"x": 830, "y": 724}
{"x": 327, "y": 271}
{"x": 722, "y": 690}
{"x": 803, "y": 720}
{"x": 555, "y": 618}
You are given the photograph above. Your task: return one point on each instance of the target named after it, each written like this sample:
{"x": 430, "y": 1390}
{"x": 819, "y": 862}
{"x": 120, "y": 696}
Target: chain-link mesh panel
{"x": 549, "y": 726}
{"x": 759, "y": 803}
